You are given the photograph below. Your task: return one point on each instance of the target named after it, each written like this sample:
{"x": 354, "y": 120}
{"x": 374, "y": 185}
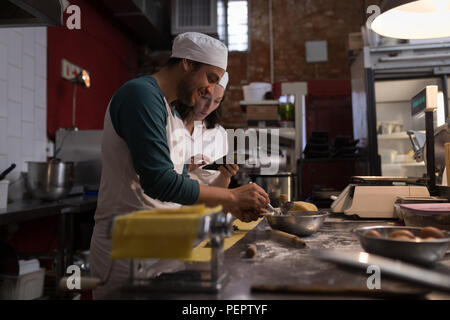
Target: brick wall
{"x": 294, "y": 22}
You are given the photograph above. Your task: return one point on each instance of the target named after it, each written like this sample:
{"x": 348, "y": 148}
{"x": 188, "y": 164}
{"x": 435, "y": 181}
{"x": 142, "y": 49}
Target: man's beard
{"x": 185, "y": 91}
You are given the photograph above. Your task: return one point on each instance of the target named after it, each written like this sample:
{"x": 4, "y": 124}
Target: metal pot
{"x": 276, "y": 185}
{"x": 51, "y": 180}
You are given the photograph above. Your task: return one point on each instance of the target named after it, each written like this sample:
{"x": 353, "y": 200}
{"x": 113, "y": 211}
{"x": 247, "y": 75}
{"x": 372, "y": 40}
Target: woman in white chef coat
{"x": 206, "y": 139}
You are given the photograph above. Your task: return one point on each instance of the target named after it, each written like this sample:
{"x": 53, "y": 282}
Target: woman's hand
{"x": 196, "y": 162}
{"x": 228, "y": 170}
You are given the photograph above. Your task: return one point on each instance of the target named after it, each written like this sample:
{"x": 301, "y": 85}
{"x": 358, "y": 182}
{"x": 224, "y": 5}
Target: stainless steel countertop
{"x": 281, "y": 264}
{"x": 29, "y": 209}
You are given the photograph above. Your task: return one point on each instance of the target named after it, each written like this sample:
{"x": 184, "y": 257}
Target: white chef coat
{"x": 212, "y": 144}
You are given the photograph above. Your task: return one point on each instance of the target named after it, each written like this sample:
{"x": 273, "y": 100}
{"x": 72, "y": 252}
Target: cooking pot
{"x": 50, "y": 180}
{"x": 276, "y": 185}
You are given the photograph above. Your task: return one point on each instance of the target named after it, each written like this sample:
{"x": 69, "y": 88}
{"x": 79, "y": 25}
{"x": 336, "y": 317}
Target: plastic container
{"x": 427, "y": 214}
{"x": 24, "y": 287}
{"x": 404, "y": 158}
{"x": 388, "y": 155}
{"x": 255, "y": 91}
{"x": 4, "y": 193}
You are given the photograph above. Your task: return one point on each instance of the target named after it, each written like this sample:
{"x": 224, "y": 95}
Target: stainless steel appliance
{"x": 374, "y": 197}
{"x": 384, "y": 79}
{"x": 276, "y": 185}
{"x": 50, "y": 180}
{"x": 83, "y": 148}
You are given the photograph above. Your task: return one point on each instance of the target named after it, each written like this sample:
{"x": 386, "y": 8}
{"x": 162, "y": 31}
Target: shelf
{"x": 407, "y": 164}
{"x": 395, "y": 136}
{"x": 287, "y": 133}
{"x": 259, "y": 102}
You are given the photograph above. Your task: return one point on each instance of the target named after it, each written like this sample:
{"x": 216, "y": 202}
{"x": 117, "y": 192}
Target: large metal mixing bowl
{"x": 423, "y": 252}
{"x": 51, "y": 180}
{"x": 300, "y": 223}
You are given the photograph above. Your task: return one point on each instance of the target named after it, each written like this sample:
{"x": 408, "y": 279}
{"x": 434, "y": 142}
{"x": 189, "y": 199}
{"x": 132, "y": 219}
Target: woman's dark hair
{"x": 211, "y": 120}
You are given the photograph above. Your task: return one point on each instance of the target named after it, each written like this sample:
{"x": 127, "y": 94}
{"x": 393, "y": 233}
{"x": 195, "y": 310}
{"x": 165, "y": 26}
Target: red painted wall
{"x": 111, "y": 59}
{"x": 105, "y": 51}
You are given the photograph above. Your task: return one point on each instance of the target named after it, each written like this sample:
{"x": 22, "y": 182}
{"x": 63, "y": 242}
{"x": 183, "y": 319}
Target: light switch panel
{"x": 316, "y": 51}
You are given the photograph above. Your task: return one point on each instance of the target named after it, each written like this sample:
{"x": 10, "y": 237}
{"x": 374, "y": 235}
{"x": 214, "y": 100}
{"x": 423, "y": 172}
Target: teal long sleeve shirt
{"x": 139, "y": 116}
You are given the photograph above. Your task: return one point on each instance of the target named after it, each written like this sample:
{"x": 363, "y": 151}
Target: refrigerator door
{"x": 399, "y": 157}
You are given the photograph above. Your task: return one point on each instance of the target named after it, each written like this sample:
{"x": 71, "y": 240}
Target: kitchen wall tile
{"x": 3, "y": 60}
{"x": 41, "y": 36}
{"x": 15, "y": 48}
{"x": 4, "y": 35}
{"x": 14, "y": 119}
{"x": 40, "y": 150}
{"x": 15, "y": 156}
{"x": 27, "y": 105}
{"x": 23, "y": 100}
{"x": 18, "y": 30}
{"x": 40, "y": 93}
{"x": 40, "y": 129}
{"x": 28, "y": 139}
{"x": 4, "y": 163}
{"x": 28, "y": 72}
{"x": 3, "y": 99}
{"x": 14, "y": 83}
{"x": 29, "y": 41}
{"x": 3, "y": 136}
{"x": 41, "y": 61}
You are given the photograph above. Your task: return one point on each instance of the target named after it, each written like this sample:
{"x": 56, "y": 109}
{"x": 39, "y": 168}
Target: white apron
{"x": 121, "y": 193}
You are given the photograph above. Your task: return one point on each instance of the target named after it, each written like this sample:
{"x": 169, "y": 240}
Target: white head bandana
{"x": 201, "y": 48}
{"x": 224, "y": 81}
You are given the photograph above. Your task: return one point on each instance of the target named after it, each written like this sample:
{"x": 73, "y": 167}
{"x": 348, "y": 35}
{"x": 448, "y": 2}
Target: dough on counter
{"x": 304, "y": 206}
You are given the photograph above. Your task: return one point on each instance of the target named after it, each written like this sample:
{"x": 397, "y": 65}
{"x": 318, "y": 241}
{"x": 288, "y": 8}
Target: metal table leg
{"x": 70, "y": 217}
{"x": 60, "y": 263}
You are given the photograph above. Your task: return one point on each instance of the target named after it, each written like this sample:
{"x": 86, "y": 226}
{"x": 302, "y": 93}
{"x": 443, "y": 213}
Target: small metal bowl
{"x": 300, "y": 223}
{"x": 426, "y": 252}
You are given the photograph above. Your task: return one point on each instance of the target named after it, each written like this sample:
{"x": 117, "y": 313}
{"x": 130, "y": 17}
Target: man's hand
{"x": 249, "y": 215}
{"x": 250, "y": 197}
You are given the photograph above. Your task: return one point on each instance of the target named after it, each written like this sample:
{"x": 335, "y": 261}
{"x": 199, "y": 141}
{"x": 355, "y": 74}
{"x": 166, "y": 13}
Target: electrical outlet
{"x": 69, "y": 70}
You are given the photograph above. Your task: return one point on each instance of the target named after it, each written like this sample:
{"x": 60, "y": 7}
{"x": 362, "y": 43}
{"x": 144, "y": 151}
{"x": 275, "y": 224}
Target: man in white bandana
{"x": 143, "y": 150}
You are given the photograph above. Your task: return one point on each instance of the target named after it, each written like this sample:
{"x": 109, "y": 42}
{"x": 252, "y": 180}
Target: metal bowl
{"x": 422, "y": 252}
{"x": 300, "y": 223}
{"x": 49, "y": 181}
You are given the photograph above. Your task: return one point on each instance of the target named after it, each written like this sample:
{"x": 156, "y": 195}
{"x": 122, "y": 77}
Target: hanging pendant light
{"x": 409, "y": 19}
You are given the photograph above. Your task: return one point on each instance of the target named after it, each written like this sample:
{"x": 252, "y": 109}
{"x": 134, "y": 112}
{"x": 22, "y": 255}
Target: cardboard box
{"x": 28, "y": 286}
{"x": 262, "y": 112}
{"x": 355, "y": 41}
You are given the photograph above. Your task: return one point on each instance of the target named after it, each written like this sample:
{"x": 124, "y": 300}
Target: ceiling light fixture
{"x": 413, "y": 19}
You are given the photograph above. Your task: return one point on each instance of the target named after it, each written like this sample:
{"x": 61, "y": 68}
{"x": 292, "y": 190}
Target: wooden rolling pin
{"x": 447, "y": 161}
{"x": 286, "y": 237}
{"x": 340, "y": 291}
